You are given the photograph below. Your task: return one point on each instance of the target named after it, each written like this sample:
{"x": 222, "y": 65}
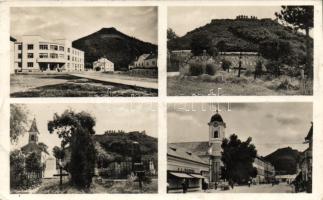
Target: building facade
{"x": 145, "y": 61}
{"x": 36, "y": 54}
{"x": 103, "y": 65}
{"x": 265, "y": 171}
{"x": 183, "y": 166}
{"x": 12, "y": 55}
{"x": 306, "y": 162}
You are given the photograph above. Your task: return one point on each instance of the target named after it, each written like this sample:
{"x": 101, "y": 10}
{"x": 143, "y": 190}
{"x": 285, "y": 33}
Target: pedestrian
{"x": 184, "y": 186}
{"x": 249, "y": 183}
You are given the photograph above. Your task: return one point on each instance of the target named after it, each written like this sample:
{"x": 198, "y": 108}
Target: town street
{"x": 263, "y": 188}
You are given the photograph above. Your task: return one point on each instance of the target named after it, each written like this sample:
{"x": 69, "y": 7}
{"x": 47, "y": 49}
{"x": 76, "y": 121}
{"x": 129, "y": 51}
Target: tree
{"x": 202, "y": 42}
{"x": 171, "y": 34}
{"x": 18, "y": 121}
{"x": 221, "y": 46}
{"x": 238, "y": 158}
{"x": 17, "y": 168}
{"x": 33, "y": 163}
{"x": 300, "y": 17}
{"x": 43, "y": 147}
{"x": 58, "y": 153}
{"x": 76, "y": 130}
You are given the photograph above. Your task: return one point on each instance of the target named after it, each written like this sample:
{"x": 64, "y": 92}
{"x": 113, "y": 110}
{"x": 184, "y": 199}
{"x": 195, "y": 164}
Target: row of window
{"x": 31, "y": 64}
{"x": 51, "y": 55}
{"x": 145, "y": 64}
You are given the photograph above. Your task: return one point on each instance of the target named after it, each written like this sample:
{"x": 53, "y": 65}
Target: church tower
{"x": 33, "y": 133}
{"x": 216, "y": 135}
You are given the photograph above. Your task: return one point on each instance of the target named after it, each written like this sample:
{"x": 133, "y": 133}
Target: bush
{"x": 273, "y": 67}
{"x": 210, "y": 69}
{"x": 196, "y": 69}
{"x": 226, "y": 64}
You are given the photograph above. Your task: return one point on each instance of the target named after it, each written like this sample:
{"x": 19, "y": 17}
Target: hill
{"x": 284, "y": 159}
{"x": 117, "y": 47}
{"x": 120, "y": 143}
{"x": 244, "y": 35}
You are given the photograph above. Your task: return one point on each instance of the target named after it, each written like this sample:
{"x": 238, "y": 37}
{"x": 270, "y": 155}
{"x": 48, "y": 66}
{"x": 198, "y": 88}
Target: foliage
{"x": 19, "y": 178}
{"x": 238, "y": 158}
{"x": 274, "y": 49}
{"x": 210, "y": 69}
{"x": 200, "y": 43}
{"x": 171, "y": 34}
{"x": 58, "y": 152}
{"x": 119, "y": 144}
{"x": 273, "y": 67}
{"x": 98, "y": 69}
{"x": 301, "y": 17}
{"x": 196, "y": 69}
{"x": 226, "y": 64}
{"x": 43, "y": 147}
{"x": 33, "y": 162}
{"x": 221, "y": 46}
{"x": 18, "y": 121}
{"x": 76, "y": 130}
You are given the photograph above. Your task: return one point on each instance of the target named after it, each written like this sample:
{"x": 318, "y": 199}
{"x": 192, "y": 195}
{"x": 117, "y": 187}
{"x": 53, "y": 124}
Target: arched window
{"x": 216, "y": 134}
{"x": 32, "y": 138}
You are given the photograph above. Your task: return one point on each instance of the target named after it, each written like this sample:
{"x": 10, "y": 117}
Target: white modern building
{"x": 103, "y": 65}
{"x": 36, "y": 54}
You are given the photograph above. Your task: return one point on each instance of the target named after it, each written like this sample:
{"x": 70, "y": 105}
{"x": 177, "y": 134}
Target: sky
{"x": 271, "y": 125}
{"x": 200, "y": 16}
{"x": 116, "y": 116}
{"x": 75, "y": 22}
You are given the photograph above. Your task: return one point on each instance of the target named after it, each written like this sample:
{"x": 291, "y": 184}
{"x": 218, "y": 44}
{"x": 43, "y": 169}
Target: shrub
{"x": 196, "y": 69}
{"x": 226, "y": 64}
{"x": 273, "y": 67}
{"x": 210, "y": 69}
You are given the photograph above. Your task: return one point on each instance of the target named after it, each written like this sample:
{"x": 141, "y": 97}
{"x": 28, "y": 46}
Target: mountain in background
{"x": 117, "y": 47}
{"x": 120, "y": 144}
{"x": 244, "y": 35}
{"x": 284, "y": 160}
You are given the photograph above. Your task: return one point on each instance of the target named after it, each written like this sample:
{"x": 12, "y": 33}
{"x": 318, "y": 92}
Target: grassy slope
{"x": 233, "y": 86}
{"x": 244, "y": 35}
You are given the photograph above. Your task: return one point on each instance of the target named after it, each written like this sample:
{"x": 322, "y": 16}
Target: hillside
{"x": 120, "y": 143}
{"x": 243, "y": 35}
{"x": 285, "y": 160}
{"x": 117, "y": 47}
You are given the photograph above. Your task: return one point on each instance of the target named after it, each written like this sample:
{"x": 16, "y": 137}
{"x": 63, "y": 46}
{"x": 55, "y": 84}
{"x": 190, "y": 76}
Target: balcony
{"x": 51, "y": 60}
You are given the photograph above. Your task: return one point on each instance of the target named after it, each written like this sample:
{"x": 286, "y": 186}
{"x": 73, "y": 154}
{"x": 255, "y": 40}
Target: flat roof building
{"x": 36, "y": 54}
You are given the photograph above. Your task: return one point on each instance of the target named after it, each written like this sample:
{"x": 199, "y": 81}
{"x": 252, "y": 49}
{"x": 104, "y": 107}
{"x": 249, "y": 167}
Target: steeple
{"x": 33, "y": 132}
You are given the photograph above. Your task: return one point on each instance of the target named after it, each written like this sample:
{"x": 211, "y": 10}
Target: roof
{"x": 309, "y": 134}
{"x": 151, "y": 56}
{"x": 198, "y": 148}
{"x": 216, "y": 117}
{"x": 12, "y": 39}
{"x": 31, "y": 147}
{"x": 179, "y": 152}
{"x": 33, "y": 127}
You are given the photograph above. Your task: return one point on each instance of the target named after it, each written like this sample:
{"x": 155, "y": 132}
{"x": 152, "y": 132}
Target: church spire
{"x": 33, "y": 132}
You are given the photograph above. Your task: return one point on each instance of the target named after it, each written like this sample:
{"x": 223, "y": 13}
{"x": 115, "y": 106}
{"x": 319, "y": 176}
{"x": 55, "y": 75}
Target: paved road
{"x": 263, "y": 188}
{"x": 118, "y": 80}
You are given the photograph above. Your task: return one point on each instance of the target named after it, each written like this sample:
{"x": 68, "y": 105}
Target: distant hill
{"x": 284, "y": 159}
{"x": 120, "y": 143}
{"x": 244, "y": 35}
{"x": 117, "y": 47}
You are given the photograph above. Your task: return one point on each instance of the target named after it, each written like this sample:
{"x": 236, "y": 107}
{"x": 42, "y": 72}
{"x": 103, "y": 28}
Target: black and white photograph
{"x": 240, "y": 50}
{"x": 83, "y": 148}
{"x": 239, "y": 147}
{"x": 83, "y": 51}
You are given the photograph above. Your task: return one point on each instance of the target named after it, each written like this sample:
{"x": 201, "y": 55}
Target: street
{"x": 263, "y": 188}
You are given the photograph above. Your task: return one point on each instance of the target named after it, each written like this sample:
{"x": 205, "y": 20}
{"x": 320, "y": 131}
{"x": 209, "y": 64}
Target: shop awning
{"x": 197, "y": 176}
{"x": 180, "y": 175}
